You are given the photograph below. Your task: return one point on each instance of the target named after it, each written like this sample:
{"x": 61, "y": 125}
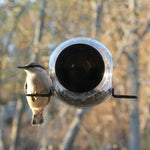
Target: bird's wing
{"x": 25, "y": 87}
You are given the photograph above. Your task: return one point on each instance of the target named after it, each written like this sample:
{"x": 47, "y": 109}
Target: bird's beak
{"x": 21, "y": 67}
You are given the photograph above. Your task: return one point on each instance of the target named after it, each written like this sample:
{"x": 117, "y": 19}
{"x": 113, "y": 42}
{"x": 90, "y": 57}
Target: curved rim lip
{"x": 79, "y": 40}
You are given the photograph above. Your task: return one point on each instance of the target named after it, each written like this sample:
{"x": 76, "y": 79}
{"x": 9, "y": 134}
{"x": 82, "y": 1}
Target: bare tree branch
{"x": 147, "y": 28}
{"x": 13, "y": 29}
{"x": 122, "y": 48}
{"x": 73, "y": 130}
{"x": 128, "y": 33}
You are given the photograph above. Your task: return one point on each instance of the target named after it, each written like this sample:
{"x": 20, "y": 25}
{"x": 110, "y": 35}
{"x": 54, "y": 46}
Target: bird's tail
{"x": 37, "y": 119}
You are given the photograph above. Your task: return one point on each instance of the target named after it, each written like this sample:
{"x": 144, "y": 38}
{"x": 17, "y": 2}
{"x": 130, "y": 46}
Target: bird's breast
{"x": 38, "y": 84}
{"x": 37, "y": 102}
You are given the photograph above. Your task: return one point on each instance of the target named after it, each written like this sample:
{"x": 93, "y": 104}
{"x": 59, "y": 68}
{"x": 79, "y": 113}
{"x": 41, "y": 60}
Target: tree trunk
{"x": 99, "y": 19}
{"x": 16, "y": 124}
{"x": 38, "y": 33}
{"x": 134, "y": 136}
{"x": 134, "y": 143}
{"x": 2, "y": 109}
{"x": 44, "y": 138}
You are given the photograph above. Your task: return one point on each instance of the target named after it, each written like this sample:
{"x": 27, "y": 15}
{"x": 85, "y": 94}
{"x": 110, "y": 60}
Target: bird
{"x": 37, "y": 89}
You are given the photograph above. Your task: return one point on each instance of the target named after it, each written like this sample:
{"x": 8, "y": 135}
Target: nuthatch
{"x": 37, "y": 90}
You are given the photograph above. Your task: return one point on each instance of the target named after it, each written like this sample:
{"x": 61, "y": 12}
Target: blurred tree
{"x": 39, "y": 25}
{"x": 17, "y": 123}
{"x": 32, "y": 29}
{"x": 73, "y": 130}
{"x": 133, "y": 57}
{"x": 134, "y": 139}
{"x": 2, "y": 109}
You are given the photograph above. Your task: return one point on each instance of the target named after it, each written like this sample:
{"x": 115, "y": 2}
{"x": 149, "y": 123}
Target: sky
{"x": 2, "y": 1}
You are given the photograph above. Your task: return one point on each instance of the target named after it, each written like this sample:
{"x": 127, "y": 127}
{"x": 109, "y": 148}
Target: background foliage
{"x": 30, "y": 31}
